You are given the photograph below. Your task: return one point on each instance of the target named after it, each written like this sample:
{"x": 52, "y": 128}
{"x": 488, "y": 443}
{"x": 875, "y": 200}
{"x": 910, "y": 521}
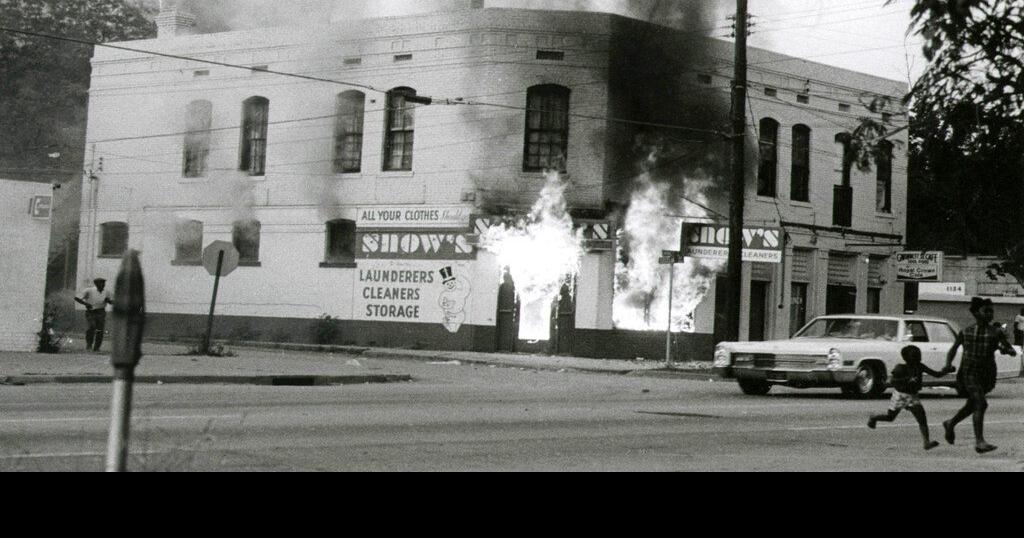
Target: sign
{"x": 919, "y": 266}
{"x": 212, "y": 252}
{"x": 598, "y": 235}
{"x": 421, "y": 245}
{"x": 413, "y": 217}
{"x": 943, "y": 288}
{"x": 41, "y": 207}
{"x": 670, "y": 257}
{"x": 416, "y": 291}
{"x": 711, "y": 241}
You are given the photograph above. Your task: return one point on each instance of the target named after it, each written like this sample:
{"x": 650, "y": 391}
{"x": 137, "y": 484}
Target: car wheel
{"x": 755, "y": 388}
{"x": 870, "y": 382}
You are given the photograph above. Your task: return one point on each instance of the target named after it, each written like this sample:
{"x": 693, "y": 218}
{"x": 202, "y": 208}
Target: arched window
{"x": 800, "y": 180}
{"x": 348, "y": 132}
{"x": 341, "y": 241}
{"x": 253, "y": 151}
{"x": 188, "y": 241}
{"x": 768, "y": 169}
{"x": 197, "y": 138}
{"x": 113, "y": 239}
{"x": 883, "y": 164}
{"x": 399, "y": 130}
{"x": 842, "y": 201}
{"x": 547, "y": 128}
{"x": 246, "y": 237}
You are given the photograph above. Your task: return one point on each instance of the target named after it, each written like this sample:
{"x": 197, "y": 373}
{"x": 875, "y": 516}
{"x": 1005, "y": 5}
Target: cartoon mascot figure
{"x": 453, "y": 299}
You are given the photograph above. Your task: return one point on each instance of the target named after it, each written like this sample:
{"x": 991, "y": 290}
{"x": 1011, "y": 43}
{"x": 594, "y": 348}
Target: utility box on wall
{"x": 24, "y": 241}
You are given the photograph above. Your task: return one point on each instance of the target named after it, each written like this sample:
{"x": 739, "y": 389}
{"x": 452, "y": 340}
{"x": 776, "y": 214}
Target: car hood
{"x": 804, "y": 346}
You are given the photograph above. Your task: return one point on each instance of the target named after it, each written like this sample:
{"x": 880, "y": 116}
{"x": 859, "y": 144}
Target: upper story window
{"x": 348, "y": 132}
{"x": 113, "y": 239}
{"x": 253, "y": 150}
{"x": 768, "y": 169}
{"x": 341, "y": 242}
{"x": 197, "y": 138}
{"x": 188, "y": 241}
{"x": 399, "y": 130}
{"x": 883, "y": 165}
{"x": 245, "y": 235}
{"x": 800, "y": 188}
{"x": 547, "y": 128}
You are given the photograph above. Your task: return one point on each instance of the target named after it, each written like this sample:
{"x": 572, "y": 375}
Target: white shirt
{"x": 96, "y": 298}
{"x": 1018, "y": 322}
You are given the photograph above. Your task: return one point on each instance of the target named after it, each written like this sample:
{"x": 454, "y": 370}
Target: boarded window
{"x": 803, "y": 265}
{"x": 547, "y": 128}
{"x": 883, "y": 165}
{"x": 188, "y": 241}
{"x": 253, "y": 151}
{"x": 197, "y": 138}
{"x": 800, "y": 184}
{"x": 113, "y": 239}
{"x": 841, "y": 269}
{"x": 341, "y": 241}
{"x": 768, "y": 169}
{"x": 399, "y": 130}
{"x": 762, "y": 272}
{"x": 876, "y": 271}
{"x": 245, "y": 235}
{"x": 348, "y": 132}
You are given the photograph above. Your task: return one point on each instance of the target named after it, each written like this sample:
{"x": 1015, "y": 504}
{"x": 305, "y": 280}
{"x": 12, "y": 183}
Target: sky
{"x": 863, "y": 35}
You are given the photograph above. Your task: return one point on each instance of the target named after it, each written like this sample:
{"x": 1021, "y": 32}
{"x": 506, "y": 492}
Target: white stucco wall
{"x": 23, "y": 247}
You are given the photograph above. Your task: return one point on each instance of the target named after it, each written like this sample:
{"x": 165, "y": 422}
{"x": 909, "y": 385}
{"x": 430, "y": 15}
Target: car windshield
{"x": 852, "y": 328}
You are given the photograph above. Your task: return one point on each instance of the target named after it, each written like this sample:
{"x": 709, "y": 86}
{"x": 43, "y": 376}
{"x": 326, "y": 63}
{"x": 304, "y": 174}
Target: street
{"x": 457, "y": 417}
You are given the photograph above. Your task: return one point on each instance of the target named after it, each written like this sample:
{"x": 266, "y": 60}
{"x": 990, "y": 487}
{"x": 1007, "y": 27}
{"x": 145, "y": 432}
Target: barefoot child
{"x": 908, "y": 380}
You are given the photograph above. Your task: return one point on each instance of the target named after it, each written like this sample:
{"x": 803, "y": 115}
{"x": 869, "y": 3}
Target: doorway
{"x": 759, "y": 310}
{"x": 508, "y": 315}
{"x": 841, "y": 300}
{"x": 563, "y": 320}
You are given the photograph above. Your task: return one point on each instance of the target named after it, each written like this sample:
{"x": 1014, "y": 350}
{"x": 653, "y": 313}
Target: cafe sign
{"x": 919, "y": 266}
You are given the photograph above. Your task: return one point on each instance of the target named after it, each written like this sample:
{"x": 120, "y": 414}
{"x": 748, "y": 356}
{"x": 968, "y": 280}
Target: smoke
{"x": 542, "y": 253}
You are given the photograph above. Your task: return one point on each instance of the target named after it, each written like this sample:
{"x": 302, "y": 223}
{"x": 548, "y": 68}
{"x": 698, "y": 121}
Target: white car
{"x": 853, "y": 353}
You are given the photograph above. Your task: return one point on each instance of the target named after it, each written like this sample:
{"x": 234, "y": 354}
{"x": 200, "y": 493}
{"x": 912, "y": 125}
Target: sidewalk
{"x": 298, "y": 365}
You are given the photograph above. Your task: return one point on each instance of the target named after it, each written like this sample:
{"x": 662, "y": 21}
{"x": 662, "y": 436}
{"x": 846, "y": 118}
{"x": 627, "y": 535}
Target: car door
{"x": 941, "y": 337}
{"x": 1008, "y": 366}
{"x": 917, "y": 335}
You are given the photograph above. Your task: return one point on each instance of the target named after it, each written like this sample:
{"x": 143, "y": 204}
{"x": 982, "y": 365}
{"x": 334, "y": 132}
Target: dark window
{"x": 798, "y": 308}
{"x": 245, "y": 235}
{"x": 188, "y": 241}
{"x": 555, "y": 55}
{"x": 842, "y": 206}
{"x": 883, "y": 164}
{"x": 341, "y": 241}
{"x": 253, "y": 154}
{"x": 201, "y": 73}
{"x": 874, "y": 300}
{"x": 113, "y": 239}
{"x": 197, "y": 138}
{"x": 399, "y": 130}
{"x": 353, "y": 61}
{"x": 800, "y": 188}
{"x": 705, "y": 79}
{"x": 768, "y": 170}
{"x": 771, "y": 92}
{"x": 257, "y": 69}
{"x": 547, "y": 128}
{"x": 348, "y": 132}
{"x": 917, "y": 332}
{"x": 403, "y": 57}
{"x": 803, "y": 99}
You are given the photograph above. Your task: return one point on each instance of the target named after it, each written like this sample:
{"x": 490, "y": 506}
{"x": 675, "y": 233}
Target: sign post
{"x": 129, "y": 320}
{"x": 670, "y": 258}
{"x": 220, "y": 259}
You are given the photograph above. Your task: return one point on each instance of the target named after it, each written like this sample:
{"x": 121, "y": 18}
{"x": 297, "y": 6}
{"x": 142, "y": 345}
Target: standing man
{"x": 95, "y": 300}
{"x": 977, "y": 376}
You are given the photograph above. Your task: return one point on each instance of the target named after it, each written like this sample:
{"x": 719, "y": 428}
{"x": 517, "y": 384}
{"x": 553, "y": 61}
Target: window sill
{"x": 797, "y": 203}
{"x": 348, "y": 175}
{"x": 889, "y": 216}
{"x": 388, "y": 174}
{"x": 565, "y": 176}
{"x": 250, "y": 264}
{"x": 110, "y": 256}
{"x": 338, "y": 265}
{"x": 193, "y": 180}
{"x": 767, "y": 199}
{"x": 186, "y": 263}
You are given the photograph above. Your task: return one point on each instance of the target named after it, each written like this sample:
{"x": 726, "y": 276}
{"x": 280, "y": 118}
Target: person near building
{"x": 908, "y": 380}
{"x": 1018, "y": 329}
{"x": 95, "y": 300}
{"x": 977, "y": 377}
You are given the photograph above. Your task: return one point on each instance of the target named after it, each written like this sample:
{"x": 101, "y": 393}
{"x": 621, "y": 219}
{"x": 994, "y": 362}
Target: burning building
{"x": 481, "y": 179}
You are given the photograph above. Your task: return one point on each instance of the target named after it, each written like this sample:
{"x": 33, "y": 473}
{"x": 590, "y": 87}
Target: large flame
{"x": 542, "y": 252}
{"x": 653, "y": 224}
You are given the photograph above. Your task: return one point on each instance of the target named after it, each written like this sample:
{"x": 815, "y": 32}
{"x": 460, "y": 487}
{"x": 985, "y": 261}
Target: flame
{"x": 652, "y": 226}
{"x": 542, "y": 252}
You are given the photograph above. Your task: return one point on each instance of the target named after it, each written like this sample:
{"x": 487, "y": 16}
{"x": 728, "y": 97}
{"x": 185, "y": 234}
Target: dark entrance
{"x": 758, "y": 310}
{"x": 841, "y": 300}
{"x": 508, "y": 315}
{"x": 721, "y": 310}
{"x": 563, "y": 320}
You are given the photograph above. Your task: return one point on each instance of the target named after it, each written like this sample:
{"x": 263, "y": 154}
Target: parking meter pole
{"x": 669, "y": 363}
{"x": 213, "y": 304}
{"x": 128, "y": 325}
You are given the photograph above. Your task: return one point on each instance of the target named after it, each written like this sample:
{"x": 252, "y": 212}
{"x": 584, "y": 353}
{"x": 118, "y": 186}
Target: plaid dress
{"x": 978, "y": 368}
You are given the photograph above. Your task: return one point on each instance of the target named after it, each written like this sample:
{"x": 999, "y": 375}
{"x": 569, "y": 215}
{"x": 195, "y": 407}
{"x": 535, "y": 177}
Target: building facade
{"x": 362, "y": 191}
{"x": 25, "y": 211}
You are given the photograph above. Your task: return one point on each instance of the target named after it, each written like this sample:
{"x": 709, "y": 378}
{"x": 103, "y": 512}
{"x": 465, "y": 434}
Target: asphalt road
{"x": 475, "y": 418}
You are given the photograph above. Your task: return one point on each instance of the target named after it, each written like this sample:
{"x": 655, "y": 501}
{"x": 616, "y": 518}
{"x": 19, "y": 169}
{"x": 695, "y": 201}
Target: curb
{"x": 266, "y": 381}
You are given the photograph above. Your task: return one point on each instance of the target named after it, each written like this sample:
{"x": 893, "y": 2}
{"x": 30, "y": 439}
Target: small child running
{"x": 908, "y": 380}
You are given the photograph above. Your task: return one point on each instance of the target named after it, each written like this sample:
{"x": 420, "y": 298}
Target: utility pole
{"x": 739, "y": 169}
